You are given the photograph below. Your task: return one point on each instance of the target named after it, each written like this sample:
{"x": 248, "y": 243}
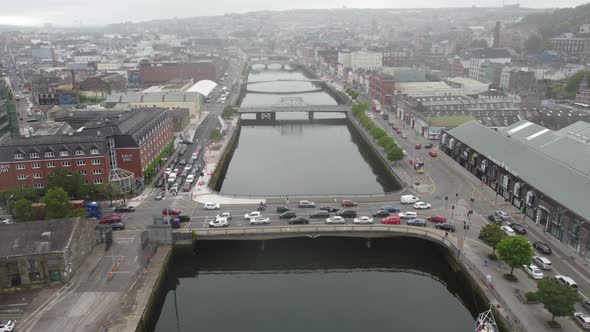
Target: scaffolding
{"x": 485, "y": 322}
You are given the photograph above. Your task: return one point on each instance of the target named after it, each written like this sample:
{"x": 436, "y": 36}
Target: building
{"x": 478, "y": 57}
{"x": 8, "y": 119}
{"x": 419, "y": 89}
{"x": 382, "y": 88}
{"x": 359, "y": 60}
{"x": 106, "y": 146}
{"x": 544, "y": 173}
{"x": 396, "y": 57}
{"x": 469, "y": 86}
{"x": 453, "y": 67}
{"x": 517, "y": 80}
{"x": 491, "y": 72}
{"x": 43, "y": 252}
{"x": 86, "y": 57}
{"x": 569, "y": 45}
{"x": 583, "y": 95}
{"x": 103, "y": 85}
{"x": 158, "y": 73}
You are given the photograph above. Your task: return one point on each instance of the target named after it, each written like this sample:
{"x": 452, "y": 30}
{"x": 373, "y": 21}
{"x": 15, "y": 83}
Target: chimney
{"x": 496, "y": 35}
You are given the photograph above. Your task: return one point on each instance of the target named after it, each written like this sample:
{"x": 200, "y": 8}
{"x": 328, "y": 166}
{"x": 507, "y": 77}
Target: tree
{"x": 574, "y": 82}
{"x": 22, "y": 210}
{"x": 534, "y": 44}
{"x": 395, "y": 154}
{"x": 492, "y": 234}
{"x": 71, "y": 183}
{"x": 57, "y": 204}
{"x": 228, "y": 112}
{"x": 558, "y": 299}
{"x": 515, "y": 251}
{"x": 215, "y": 134}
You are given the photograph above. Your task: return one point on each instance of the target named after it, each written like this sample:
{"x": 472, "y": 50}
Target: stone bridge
{"x": 286, "y": 80}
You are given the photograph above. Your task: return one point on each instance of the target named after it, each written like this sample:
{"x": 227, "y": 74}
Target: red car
{"x": 348, "y": 203}
{"x": 418, "y": 146}
{"x": 437, "y": 219}
{"x": 170, "y": 211}
{"x": 110, "y": 219}
{"x": 391, "y": 220}
{"x": 432, "y": 153}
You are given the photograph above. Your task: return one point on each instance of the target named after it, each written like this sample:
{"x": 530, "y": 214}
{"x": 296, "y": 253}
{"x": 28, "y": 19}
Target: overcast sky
{"x": 100, "y": 12}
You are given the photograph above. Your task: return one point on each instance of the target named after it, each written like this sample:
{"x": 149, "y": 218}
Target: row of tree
{"x": 55, "y": 205}
{"x": 228, "y": 112}
{"x": 353, "y": 94}
{"x": 517, "y": 251}
{"x": 392, "y": 150}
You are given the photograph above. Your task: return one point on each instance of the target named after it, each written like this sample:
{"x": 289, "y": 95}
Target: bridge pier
{"x": 266, "y": 116}
{"x": 310, "y": 115}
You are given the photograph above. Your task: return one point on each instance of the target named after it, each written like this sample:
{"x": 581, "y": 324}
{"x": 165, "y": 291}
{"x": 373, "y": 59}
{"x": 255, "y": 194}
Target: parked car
{"x": 171, "y": 212}
{"x": 362, "y": 220}
{"x": 335, "y": 220}
{"x": 253, "y": 214}
{"x": 494, "y": 218}
{"x": 421, "y": 205}
{"x": 409, "y": 199}
{"x": 416, "y": 222}
{"x": 445, "y": 226}
{"x": 224, "y": 215}
{"x": 533, "y": 271}
{"x": 518, "y": 228}
{"x": 110, "y": 219}
{"x": 124, "y": 208}
{"x": 281, "y": 209}
{"x": 306, "y": 204}
{"x": 565, "y": 280}
{"x": 542, "y": 247}
{"x": 407, "y": 215}
{"x": 219, "y": 222}
{"x": 211, "y": 206}
{"x": 586, "y": 305}
{"x": 117, "y": 226}
{"x": 390, "y": 209}
{"x": 298, "y": 221}
{"x": 287, "y": 215}
{"x": 348, "y": 203}
{"x": 418, "y": 146}
{"x": 161, "y": 195}
{"x": 329, "y": 208}
{"x": 321, "y": 214}
{"x": 428, "y": 145}
{"x": 346, "y": 213}
{"x": 582, "y": 320}
{"x": 509, "y": 231}
{"x": 7, "y": 325}
{"x": 190, "y": 178}
{"x": 437, "y": 219}
{"x": 432, "y": 153}
{"x": 391, "y": 220}
{"x": 404, "y": 136}
{"x": 502, "y": 214}
{"x": 260, "y": 221}
{"x": 542, "y": 262}
{"x": 6, "y": 221}
{"x": 381, "y": 214}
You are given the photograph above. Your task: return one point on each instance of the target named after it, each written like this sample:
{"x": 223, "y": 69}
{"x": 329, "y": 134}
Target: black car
{"x": 381, "y": 213}
{"x": 542, "y": 247}
{"x": 185, "y": 218}
{"x": 518, "y": 228}
{"x": 495, "y": 218}
{"x": 346, "y": 213}
{"x": 124, "y": 208}
{"x": 298, "y": 220}
{"x": 445, "y": 226}
{"x": 118, "y": 226}
{"x": 281, "y": 209}
{"x": 320, "y": 214}
{"x": 329, "y": 208}
{"x": 428, "y": 145}
{"x": 287, "y": 215}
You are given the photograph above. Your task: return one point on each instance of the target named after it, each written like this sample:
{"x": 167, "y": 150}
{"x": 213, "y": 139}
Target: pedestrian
{"x": 485, "y": 262}
{"x": 287, "y": 199}
{"x": 446, "y": 234}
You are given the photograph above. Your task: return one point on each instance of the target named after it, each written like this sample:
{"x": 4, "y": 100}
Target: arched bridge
{"x": 286, "y": 80}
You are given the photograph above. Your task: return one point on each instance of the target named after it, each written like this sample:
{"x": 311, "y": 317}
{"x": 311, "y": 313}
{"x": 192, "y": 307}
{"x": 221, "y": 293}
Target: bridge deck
{"x": 286, "y": 80}
{"x": 286, "y": 109}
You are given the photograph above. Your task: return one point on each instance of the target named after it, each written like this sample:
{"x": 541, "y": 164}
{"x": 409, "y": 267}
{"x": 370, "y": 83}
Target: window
{"x": 97, "y": 181}
{"x": 83, "y": 172}
{"x": 36, "y": 176}
{"x": 39, "y": 185}
{"x": 22, "y": 176}
{"x": 95, "y": 161}
{"x": 94, "y": 151}
{"x": 34, "y": 155}
{"x": 81, "y": 163}
{"x": 64, "y": 153}
{"x": 51, "y": 164}
{"x": 20, "y": 167}
{"x": 49, "y": 154}
{"x": 79, "y": 152}
{"x": 97, "y": 172}
{"x": 23, "y": 186}
{"x": 19, "y": 156}
{"x": 36, "y": 166}
{"x": 66, "y": 164}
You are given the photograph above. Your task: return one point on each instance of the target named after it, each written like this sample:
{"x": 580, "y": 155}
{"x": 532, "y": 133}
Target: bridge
{"x": 266, "y": 63}
{"x": 290, "y": 105}
{"x": 287, "y": 80}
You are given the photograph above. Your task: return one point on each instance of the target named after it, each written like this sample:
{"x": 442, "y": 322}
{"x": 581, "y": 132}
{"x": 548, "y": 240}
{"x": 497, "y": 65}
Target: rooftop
{"x": 35, "y": 237}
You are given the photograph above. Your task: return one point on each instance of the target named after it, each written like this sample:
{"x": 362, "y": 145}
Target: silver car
{"x": 416, "y": 222}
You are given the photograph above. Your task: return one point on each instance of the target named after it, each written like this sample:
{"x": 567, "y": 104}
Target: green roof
{"x": 450, "y": 121}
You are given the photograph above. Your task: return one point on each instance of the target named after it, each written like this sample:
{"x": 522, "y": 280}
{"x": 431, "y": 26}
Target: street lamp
{"x": 8, "y": 205}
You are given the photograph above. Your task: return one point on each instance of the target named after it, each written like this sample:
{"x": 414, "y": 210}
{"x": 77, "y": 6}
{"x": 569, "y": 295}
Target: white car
{"x": 251, "y": 215}
{"x": 407, "y": 215}
{"x": 583, "y": 320}
{"x": 212, "y": 206}
{"x": 188, "y": 167}
{"x": 194, "y": 155}
{"x": 421, "y": 205}
{"x": 259, "y": 221}
{"x": 224, "y": 215}
{"x": 6, "y": 221}
{"x": 362, "y": 220}
{"x": 219, "y": 222}
{"x": 168, "y": 171}
{"x": 7, "y": 325}
{"x": 335, "y": 220}
{"x": 509, "y": 231}
{"x": 542, "y": 262}
{"x": 190, "y": 178}
{"x": 533, "y": 271}
{"x": 306, "y": 204}
{"x": 175, "y": 171}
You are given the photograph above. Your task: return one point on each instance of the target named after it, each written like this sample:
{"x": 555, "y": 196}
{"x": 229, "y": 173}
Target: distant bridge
{"x": 286, "y": 80}
{"x": 289, "y": 105}
{"x": 266, "y": 63}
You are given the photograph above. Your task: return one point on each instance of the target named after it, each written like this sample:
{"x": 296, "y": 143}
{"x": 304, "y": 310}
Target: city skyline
{"x": 76, "y": 13}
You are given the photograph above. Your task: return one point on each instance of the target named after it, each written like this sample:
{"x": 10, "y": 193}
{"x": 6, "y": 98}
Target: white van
{"x": 409, "y": 199}
{"x": 171, "y": 177}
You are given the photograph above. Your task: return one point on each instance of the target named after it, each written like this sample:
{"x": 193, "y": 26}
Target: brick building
{"x": 98, "y": 150}
{"x": 155, "y": 73}
{"x": 382, "y": 88}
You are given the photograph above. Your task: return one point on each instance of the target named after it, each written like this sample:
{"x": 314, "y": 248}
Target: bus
{"x": 376, "y": 105}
